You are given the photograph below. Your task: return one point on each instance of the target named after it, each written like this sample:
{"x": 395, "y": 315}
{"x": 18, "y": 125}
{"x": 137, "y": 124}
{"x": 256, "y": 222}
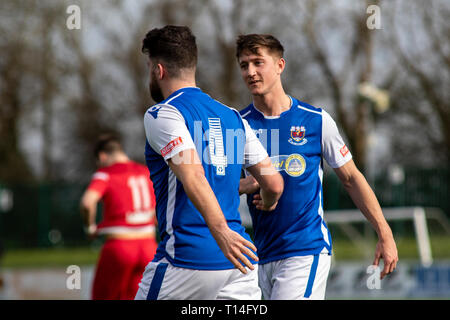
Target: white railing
{"x": 344, "y": 219}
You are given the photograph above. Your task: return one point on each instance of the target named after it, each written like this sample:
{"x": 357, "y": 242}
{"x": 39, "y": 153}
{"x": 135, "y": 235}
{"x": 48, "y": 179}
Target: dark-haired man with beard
{"x": 195, "y": 150}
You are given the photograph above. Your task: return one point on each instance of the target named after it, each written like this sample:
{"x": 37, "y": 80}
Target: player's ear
{"x": 102, "y": 159}
{"x": 281, "y": 64}
{"x": 160, "y": 71}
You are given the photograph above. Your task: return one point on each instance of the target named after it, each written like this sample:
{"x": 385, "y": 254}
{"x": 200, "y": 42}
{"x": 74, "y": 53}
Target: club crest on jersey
{"x": 298, "y": 136}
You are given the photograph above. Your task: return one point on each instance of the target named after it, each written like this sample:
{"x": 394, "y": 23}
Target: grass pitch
{"x": 343, "y": 250}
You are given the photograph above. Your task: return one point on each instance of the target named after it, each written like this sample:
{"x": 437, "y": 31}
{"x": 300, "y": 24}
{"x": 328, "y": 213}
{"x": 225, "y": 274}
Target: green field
{"x": 51, "y": 257}
{"x": 343, "y": 250}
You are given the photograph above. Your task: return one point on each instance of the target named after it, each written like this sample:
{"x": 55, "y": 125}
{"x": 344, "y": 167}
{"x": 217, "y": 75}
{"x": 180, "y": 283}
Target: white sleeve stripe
{"x": 306, "y": 109}
{"x": 167, "y": 102}
{"x": 246, "y": 114}
{"x": 101, "y": 176}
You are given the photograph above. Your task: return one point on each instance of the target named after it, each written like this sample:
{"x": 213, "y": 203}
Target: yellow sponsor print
{"x": 295, "y": 165}
{"x": 278, "y": 165}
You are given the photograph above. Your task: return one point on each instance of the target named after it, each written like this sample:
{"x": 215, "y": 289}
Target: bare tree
{"x": 66, "y": 88}
{"x": 352, "y": 112}
{"x": 14, "y": 66}
{"x": 228, "y": 19}
{"x": 87, "y": 110}
{"x": 421, "y": 97}
{"x": 225, "y": 47}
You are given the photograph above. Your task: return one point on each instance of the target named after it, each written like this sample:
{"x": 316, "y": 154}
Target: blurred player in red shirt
{"x": 128, "y": 221}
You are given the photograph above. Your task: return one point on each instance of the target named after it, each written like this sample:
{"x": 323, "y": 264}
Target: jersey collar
{"x": 293, "y": 104}
{"x": 173, "y": 94}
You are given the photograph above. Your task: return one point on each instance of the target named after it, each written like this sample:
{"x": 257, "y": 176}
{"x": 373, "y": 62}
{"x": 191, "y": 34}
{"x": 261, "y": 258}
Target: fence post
{"x": 44, "y": 209}
{"x": 423, "y": 240}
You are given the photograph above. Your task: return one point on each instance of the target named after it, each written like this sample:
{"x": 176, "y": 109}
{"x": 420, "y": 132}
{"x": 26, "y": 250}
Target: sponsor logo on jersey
{"x": 344, "y": 150}
{"x": 294, "y": 164}
{"x": 298, "y": 136}
{"x": 170, "y": 146}
{"x": 278, "y": 162}
{"x": 154, "y": 111}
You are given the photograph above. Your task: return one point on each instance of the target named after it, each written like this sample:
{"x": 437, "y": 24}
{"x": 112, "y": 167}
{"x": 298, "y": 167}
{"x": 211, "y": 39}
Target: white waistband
{"x": 126, "y": 229}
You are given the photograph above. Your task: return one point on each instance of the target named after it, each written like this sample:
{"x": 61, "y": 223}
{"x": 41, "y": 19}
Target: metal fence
{"x": 408, "y": 187}
{"x": 47, "y": 214}
{"x": 41, "y": 215}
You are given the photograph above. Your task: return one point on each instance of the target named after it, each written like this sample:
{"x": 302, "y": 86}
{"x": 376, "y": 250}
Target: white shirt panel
{"x": 167, "y": 134}
{"x": 254, "y": 151}
{"x": 334, "y": 149}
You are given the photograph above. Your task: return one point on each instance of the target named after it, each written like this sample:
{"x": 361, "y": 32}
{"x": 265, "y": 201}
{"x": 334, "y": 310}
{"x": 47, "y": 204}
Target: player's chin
{"x": 256, "y": 91}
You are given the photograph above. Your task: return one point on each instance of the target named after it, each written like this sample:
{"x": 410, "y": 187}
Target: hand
{"x": 259, "y": 203}
{"x": 233, "y": 246}
{"x": 248, "y": 185}
{"x": 386, "y": 250}
{"x": 91, "y": 231}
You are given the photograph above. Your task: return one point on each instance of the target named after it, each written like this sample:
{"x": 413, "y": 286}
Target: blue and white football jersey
{"x": 296, "y": 141}
{"x": 191, "y": 119}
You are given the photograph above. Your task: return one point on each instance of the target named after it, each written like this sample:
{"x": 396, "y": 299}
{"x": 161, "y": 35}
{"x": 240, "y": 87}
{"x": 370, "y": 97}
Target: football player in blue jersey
{"x": 195, "y": 150}
{"x": 293, "y": 241}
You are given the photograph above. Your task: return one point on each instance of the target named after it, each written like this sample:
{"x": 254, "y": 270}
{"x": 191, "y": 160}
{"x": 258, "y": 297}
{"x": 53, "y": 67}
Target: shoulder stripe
{"x": 101, "y": 176}
{"x": 167, "y": 102}
{"x": 306, "y": 109}
{"x": 246, "y": 114}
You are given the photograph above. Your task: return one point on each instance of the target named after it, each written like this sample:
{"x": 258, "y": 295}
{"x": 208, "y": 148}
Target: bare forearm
{"x": 196, "y": 186}
{"x": 88, "y": 207}
{"x": 88, "y": 214}
{"x": 231, "y": 243}
{"x": 269, "y": 198}
{"x": 269, "y": 180}
{"x": 201, "y": 195}
{"x": 366, "y": 201}
{"x": 248, "y": 185}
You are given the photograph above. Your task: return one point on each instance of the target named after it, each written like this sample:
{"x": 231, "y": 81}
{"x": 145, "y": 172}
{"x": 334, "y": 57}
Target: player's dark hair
{"x": 174, "y": 46}
{"x": 253, "y": 42}
{"x": 108, "y": 143}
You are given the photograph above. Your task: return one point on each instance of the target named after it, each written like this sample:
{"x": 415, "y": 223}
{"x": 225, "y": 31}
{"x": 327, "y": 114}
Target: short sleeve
{"x": 334, "y": 149}
{"x": 166, "y": 131}
{"x": 254, "y": 151}
{"x": 99, "y": 182}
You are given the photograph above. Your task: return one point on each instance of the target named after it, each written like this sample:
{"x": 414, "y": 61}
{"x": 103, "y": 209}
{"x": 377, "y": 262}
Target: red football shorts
{"x": 120, "y": 267}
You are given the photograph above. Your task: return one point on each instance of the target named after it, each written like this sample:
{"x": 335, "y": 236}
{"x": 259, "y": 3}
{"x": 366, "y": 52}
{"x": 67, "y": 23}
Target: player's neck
{"x": 119, "y": 158}
{"x": 272, "y": 103}
{"x": 175, "y": 84}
